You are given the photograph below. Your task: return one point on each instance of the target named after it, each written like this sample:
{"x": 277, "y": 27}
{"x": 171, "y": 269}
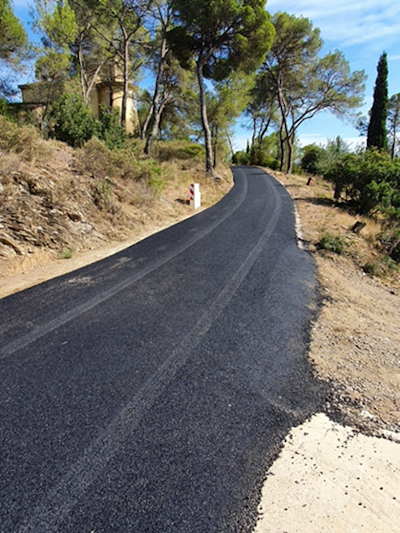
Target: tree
{"x": 128, "y": 18}
{"x": 224, "y": 105}
{"x": 13, "y": 44}
{"x": 305, "y": 84}
{"x": 164, "y": 66}
{"x": 90, "y": 52}
{"x": 393, "y": 122}
{"x": 262, "y": 109}
{"x": 159, "y": 53}
{"x": 55, "y": 21}
{"x": 377, "y": 132}
{"x": 221, "y": 36}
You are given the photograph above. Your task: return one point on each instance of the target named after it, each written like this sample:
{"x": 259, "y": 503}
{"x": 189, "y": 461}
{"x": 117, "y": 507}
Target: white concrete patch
{"x": 330, "y": 479}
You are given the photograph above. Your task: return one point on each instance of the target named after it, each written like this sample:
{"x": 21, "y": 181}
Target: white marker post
{"x": 195, "y": 196}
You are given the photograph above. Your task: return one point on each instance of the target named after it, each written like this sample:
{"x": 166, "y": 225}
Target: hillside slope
{"x": 57, "y": 203}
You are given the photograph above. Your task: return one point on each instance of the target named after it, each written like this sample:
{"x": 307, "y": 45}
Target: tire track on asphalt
{"x": 58, "y": 503}
{"x": 41, "y": 331}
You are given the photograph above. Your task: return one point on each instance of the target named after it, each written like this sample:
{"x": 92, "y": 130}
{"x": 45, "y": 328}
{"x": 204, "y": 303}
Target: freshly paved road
{"x": 149, "y": 392}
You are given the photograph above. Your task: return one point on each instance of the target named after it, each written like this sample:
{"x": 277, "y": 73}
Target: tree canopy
{"x": 377, "y": 132}
{"x": 220, "y": 36}
{"x": 13, "y": 44}
{"x": 302, "y": 83}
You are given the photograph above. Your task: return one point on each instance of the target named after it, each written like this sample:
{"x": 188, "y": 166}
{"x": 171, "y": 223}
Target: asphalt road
{"x": 150, "y": 392}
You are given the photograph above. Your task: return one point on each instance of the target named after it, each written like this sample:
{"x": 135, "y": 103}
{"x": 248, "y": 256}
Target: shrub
{"x": 23, "y": 140}
{"x": 95, "y": 157}
{"x": 240, "y": 158}
{"x": 311, "y": 160}
{"x": 181, "y": 150}
{"x": 73, "y": 121}
{"x": 334, "y": 243}
{"x": 369, "y": 179}
{"x": 110, "y": 130}
{"x": 390, "y": 234}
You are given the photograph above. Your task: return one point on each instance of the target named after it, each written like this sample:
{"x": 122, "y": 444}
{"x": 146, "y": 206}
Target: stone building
{"x": 107, "y": 90}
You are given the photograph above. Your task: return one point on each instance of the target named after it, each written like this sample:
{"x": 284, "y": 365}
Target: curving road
{"x": 150, "y": 392}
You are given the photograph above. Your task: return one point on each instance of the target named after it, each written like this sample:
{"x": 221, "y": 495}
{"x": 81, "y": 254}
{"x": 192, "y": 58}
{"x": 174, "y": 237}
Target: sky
{"x": 361, "y": 29}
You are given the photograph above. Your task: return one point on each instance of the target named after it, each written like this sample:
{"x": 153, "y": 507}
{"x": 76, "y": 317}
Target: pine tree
{"x": 377, "y": 132}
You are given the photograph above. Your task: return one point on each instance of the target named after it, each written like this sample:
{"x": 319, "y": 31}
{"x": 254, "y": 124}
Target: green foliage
{"x": 104, "y": 164}
{"x": 234, "y": 36}
{"x": 240, "y": 158}
{"x": 318, "y": 159}
{"x": 13, "y": 47}
{"x": 311, "y": 159}
{"x": 304, "y": 84}
{"x": 181, "y": 150}
{"x": 377, "y": 132}
{"x": 390, "y": 235}
{"x": 109, "y": 129}
{"x": 393, "y": 122}
{"x": 66, "y": 253}
{"x": 13, "y": 38}
{"x": 369, "y": 179}
{"x": 73, "y": 121}
{"x": 334, "y": 243}
{"x": 4, "y": 108}
{"x": 60, "y": 26}
{"x": 381, "y": 266}
{"x": 221, "y": 37}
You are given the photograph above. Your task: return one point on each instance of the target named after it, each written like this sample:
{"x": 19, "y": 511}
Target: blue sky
{"x": 361, "y": 29}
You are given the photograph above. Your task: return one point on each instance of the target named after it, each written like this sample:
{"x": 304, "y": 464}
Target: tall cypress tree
{"x": 377, "y": 132}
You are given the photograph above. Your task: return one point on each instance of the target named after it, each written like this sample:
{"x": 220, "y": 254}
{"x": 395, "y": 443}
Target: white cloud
{"x": 348, "y": 23}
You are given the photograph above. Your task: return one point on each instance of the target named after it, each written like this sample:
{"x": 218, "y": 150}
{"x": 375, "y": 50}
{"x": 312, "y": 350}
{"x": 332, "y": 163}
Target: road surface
{"x": 150, "y": 392}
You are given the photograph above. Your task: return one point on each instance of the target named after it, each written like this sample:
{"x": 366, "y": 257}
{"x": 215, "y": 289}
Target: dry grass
{"x": 321, "y": 216}
{"x": 81, "y": 199}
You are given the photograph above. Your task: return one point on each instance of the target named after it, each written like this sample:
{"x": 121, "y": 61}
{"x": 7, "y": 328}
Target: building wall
{"x": 33, "y": 94}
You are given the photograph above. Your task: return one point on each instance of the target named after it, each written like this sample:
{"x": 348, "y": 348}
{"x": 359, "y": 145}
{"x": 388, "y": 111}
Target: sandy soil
{"x": 329, "y": 477}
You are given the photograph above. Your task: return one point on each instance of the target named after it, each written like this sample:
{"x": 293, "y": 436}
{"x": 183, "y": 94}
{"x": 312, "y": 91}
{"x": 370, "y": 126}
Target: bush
{"x": 73, "y": 121}
{"x": 334, "y": 243}
{"x": 23, "y": 140}
{"x": 110, "y": 130}
{"x": 311, "y": 160}
{"x": 181, "y": 150}
{"x": 390, "y": 234}
{"x": 105, "y": 164}
{"x": 369, "y": 179}
{"x": 240, "y": 158}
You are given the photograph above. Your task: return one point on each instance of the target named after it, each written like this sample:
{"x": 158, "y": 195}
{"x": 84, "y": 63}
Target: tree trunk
{"x": 215, "y": 147}
{"x": 282, "y": 144}
{"x": 290, "y": 144}
{"x": 230, "y": 144}
{"x": 125, "y": 82}
{"x": 156, "y": 127}
{"x": 204, "y": 119}
{"x": 157, "y": 89}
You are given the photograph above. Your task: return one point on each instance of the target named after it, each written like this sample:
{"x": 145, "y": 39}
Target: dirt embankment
{"x": 62, "y": 208}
